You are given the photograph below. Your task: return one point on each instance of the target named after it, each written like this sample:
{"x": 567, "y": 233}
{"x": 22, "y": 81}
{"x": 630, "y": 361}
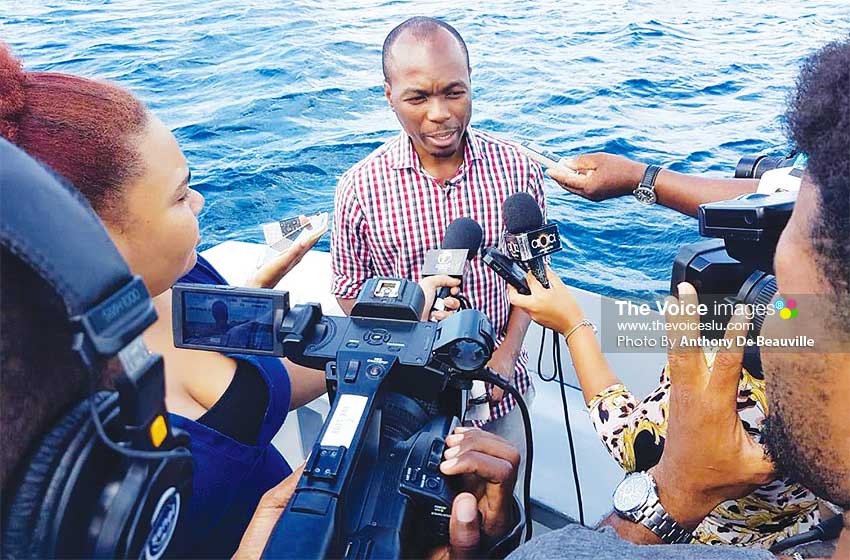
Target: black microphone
{"x": 460, "y": 245}
{"x": 528, "y": 239}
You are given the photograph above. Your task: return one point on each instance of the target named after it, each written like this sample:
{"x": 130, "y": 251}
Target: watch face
{"x": 646, "y": 195}
{"x": 632, "y": 493}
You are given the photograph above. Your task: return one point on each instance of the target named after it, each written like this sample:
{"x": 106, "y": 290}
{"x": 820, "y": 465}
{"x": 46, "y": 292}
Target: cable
{"x": 127, "y": 452}
{"x": 559, "y": 374}
{"x": 540, "y": 359}
{"x": 488, "y": 376}
{"x": 101, "y": 432}
{"x": 823, "y": 531}
{"x": 556, "y": 352}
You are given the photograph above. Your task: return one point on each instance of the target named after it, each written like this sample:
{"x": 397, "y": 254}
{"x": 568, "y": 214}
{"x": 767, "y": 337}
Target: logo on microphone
{"x": 544, "y": 241}
{"x": 445, "y": 261}
{"x": 513, "y": 248}
{"x": 533, "y": 244}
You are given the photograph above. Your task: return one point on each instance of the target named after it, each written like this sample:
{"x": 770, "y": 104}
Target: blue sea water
{"x": 273, "y": 100}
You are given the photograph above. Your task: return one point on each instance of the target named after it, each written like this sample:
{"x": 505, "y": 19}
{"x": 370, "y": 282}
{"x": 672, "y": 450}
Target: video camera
{"x": 736, "y": 266}
{"x": 372, "y": 485}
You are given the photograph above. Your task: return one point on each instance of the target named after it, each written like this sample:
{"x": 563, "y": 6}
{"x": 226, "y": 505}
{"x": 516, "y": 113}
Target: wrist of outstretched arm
{"x": 635, "y": 176}
{"x": 630, "y": 531}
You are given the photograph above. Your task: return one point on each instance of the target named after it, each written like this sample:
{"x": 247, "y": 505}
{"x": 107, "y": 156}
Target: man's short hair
{"x": 421, "y": 28}
{"x": 818, "y": 122}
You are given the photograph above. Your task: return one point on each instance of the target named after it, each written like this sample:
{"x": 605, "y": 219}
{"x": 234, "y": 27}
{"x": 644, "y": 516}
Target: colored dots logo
{"x": 787, "y": 308}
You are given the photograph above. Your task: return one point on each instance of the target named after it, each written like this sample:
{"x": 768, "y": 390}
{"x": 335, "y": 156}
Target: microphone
{"x": 528, "y": 240}
{"x": 460, "y": 245}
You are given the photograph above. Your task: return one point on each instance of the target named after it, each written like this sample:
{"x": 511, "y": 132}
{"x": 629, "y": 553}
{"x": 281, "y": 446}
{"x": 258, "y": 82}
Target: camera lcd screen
{"x": 231, "y": 321}
{"x": 388, "y": 289}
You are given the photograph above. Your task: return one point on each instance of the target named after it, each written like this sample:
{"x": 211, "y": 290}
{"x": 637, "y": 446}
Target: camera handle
{"x": 313, "y": 508}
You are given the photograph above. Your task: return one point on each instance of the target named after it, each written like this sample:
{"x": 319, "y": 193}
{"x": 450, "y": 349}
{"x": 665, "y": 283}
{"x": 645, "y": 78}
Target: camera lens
{"x": 746, "y": 166}
{"x": 402, "y": 417}
{"x": 766, "y": 164}
{"x": 757, "y": 291}
{"x": 753, "y": 167}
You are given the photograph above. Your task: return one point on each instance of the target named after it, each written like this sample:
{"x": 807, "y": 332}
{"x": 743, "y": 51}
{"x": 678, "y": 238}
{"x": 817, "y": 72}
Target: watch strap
{"x": 649, "y": 176}
{"x": 645, "y": 190}
{"x": 654, "y": 517}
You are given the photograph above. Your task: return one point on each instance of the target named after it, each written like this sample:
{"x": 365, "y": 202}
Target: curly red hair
{"x": 85, "y": 130}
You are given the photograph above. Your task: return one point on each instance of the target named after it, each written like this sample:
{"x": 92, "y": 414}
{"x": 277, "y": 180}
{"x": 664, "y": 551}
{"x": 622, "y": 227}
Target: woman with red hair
{"x": 129, "y": 166}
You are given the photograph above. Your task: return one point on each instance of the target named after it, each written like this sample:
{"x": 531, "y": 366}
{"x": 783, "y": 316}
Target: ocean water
{"x": 273, "y": 100}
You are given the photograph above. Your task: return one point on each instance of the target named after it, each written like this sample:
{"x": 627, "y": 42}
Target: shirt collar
{"x": 406, "y": 157}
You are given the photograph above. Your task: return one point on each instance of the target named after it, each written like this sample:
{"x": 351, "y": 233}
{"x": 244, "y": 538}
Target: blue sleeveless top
{"x": 230, "y": 477}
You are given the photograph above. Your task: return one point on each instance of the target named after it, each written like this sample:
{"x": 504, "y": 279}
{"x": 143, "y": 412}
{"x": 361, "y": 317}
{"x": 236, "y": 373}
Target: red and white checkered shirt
{"x": 389, "y": 212}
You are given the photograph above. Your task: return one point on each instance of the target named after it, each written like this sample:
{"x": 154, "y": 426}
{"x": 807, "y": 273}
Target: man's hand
{"x": 430, "y": 285}
{"x": 553, "y": 307}
{"x": 708, "y": 455}
{"x": 489, "y": 465}
{"x": 504, "y": 364}
{"x": 271, "y": 273}
{"x": 266, "y": 515}
{"x": 598, "y": 176}
{"x": 451, "y": 305}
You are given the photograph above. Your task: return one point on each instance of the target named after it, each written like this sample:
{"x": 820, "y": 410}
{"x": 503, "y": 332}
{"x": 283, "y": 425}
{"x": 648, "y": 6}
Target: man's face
{"x": 807, "y": 431}
{"x": 429, "y": 89}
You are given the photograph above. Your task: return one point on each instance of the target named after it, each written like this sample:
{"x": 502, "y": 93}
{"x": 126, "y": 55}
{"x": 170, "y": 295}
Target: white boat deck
{"x": 552, "y": 479}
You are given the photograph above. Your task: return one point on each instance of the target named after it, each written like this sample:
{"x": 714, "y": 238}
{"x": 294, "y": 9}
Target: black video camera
{"x": 372, "y": 485}
{"x": 736, "y": 266}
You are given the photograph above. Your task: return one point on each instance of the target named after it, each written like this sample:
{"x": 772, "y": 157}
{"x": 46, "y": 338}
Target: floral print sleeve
{"x": 607, "y": 409}
{"x": 633, "y": 432}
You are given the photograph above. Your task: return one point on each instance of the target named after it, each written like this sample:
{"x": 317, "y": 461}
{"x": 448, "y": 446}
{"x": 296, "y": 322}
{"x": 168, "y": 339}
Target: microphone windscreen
{"x": 521, "y": 213}
{"x": 463, "y": 233}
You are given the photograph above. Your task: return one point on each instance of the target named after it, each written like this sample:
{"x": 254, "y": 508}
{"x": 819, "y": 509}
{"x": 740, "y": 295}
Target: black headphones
{"x": 111, "y": 478}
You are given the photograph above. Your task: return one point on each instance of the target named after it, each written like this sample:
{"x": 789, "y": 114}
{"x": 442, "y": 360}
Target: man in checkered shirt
{"x": 394, "y": 206}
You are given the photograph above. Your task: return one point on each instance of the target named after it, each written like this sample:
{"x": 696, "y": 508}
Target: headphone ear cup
{"x": 34, "y": 505}
{"x": 155, "y": 510}
{"x": 79, "y": 498}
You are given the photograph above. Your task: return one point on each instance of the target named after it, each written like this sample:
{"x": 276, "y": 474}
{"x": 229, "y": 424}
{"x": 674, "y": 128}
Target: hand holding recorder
{"x": 430, "y": 286}
{"x": 553, "y": 308}
{"x": 598, "y": 176}
{"x": 293, "y": 245}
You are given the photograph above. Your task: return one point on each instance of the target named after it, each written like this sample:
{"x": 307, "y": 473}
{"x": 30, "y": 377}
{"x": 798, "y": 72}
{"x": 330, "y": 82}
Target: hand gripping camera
{"x": 372, "y": 487}
{"x": 736, "y": 265}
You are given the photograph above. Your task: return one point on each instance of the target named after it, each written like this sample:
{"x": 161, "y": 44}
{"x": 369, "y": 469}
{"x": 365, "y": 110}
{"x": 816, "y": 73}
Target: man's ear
{"x": 388, "y": 93}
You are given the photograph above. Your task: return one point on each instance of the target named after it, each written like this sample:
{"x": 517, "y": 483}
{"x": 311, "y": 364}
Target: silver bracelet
{"x": 583, "y": 323}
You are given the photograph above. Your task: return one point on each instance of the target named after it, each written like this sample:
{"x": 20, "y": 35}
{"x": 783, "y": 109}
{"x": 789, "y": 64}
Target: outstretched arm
{"x": 601, "y": 176}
